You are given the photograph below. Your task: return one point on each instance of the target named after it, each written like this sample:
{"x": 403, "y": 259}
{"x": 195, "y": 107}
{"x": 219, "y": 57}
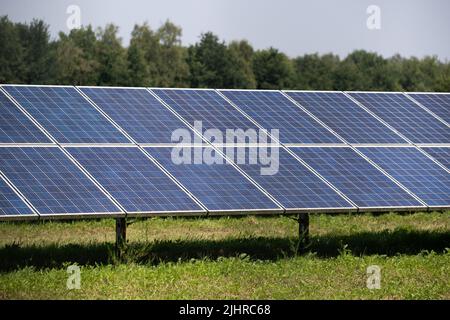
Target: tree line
{"x": 156, "y": 57}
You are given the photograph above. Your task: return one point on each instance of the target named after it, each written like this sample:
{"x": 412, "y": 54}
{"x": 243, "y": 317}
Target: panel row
{"x": 93, "y": 181}
{"x": 148, "y": 117}
{"x": 300, "y": 183}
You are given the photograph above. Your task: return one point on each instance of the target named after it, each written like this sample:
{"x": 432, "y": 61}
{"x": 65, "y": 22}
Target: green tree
{"x": 12, "y": 66}
{"x": 86, "y": 40}
{"x": 443, "y": 80}
{"x": 362, "y": 70}
{"x": 75, "y": 57}
{"x": 172, "y": 66}
{"x": 35, "y": 39}
{"x": 241, "y": 61}
{"x": 208, "y": 62}
{"x": 112, "y": 57}
{"x": 314, "y": 72}
{"x": 273, "y": 69}
{"x": 72, "y": 64}
{"x": 141, "y": 56}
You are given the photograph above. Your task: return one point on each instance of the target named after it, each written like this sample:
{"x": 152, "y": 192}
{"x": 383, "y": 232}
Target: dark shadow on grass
{"x": 388, "y": 243}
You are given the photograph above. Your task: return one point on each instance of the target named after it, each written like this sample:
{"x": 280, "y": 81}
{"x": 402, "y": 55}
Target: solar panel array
{"x": 271, "y": 109}
{"x": 97, "y": 151}
{"x": 131, "y": 178}
{"x": 65, "y": 114}
{"x": 356, "y": 177}
{"x": 441, "y": 154}
{"x": 10, "y": 202}
{"x": 292, "y": 183}
{"x": 414, "y": 170}
{"x": 15, "y": 127}
{"x": 220, "y": 187}
{"x": 52, "y": 183}
{"x": 345, "y": 117}
{"x": 438, "y": 103}
{"x": 405, "y": 116}
{"x": 139, "y": 113}
{"x": 206, "y": 106}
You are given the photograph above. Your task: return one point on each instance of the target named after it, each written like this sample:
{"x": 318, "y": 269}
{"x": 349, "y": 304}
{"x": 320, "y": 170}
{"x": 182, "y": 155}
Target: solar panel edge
{"x": 130, "y": 132}
{"x": 306, "y": 117}
{"x": 443, "y": 161}
{"x": 414, "y": 203}
{"x": 63, "y": 133}
{"x": 374, "y": 126}
{"x": 104, "y": 114}
{"x": 287, "y": 201}
{"x": 169, "y": 106}
{"x": 30, "y": 215}
{"x": 256, "y": 123}
{"x": 61, "y": 154}
{"x": 317, "y": 119}
{"x": 422, "y": 105}
{"x": 276, "y": 207}
{"x": 199, "y": 210}
{"x": 408, "y": 119}
{"x": 426, "y": 109}
{"x": 417, "y": 185}
{"x": 27, "y": 117}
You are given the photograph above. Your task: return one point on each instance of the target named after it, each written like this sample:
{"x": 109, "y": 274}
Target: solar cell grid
{"x": 133, "y": 180}
{"x": 291, "y": 183}
{"x": 51, "y": 182}
{"x": 15, "y": 127}
{"x": 220, "y": 187}
{"x": 405, "y": 116}
{"x": 345, "y": 117}
{"x": 441, "y": 154}
{"x": 206, "y": 106}
{"x": 438, "y": 103}
{"x": 11, "y": 203}
{"x": 415, "y": 171}
{"x": 65, "y": 114}
{"x": 139, "y": 113}
{"x": 356, "y": 177}
{"x": 273, "y": 110}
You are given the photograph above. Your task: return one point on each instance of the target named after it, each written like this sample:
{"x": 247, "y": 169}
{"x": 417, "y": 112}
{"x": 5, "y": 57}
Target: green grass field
{"x": 230, "y": 258}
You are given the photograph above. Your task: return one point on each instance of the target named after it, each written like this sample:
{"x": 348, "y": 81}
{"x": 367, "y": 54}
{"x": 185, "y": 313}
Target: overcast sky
{"x": 414, "y": 27}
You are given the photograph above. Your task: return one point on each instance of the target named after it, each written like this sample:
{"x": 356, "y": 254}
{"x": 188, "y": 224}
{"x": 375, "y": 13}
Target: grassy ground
{"x": 230, "y": 258}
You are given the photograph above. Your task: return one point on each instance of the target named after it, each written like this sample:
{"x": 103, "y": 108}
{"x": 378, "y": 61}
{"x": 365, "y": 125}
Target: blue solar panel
{"x": 415, "y": 171}
{"x": 65, "y": 114}
{"x": 133, "y": 180}
{"x": 438, "y": 103}
{"x": 10, "y": 202}
{"x": 218, "y": 186}
{"x": 441, "y": 154}
{"x": 405, "y": 116}
{"x": 51, "y": 182}
{"x": 139, "y": 113}
{"x": 15, "y": 127}
{"x": 290, "y": 182}
{"x": 345, "y": 117}
{"x": 355, "y": 177}
{"x": 206, "y": 106}
{"x": 273, "y": 110}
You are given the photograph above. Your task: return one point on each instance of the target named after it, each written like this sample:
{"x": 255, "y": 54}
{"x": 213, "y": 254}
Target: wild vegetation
{"x": 230, "y": 258}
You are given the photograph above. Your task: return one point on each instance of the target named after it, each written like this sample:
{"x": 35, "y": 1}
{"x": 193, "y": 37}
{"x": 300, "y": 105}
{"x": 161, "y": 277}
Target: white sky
{"x": 414, "y": 27}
